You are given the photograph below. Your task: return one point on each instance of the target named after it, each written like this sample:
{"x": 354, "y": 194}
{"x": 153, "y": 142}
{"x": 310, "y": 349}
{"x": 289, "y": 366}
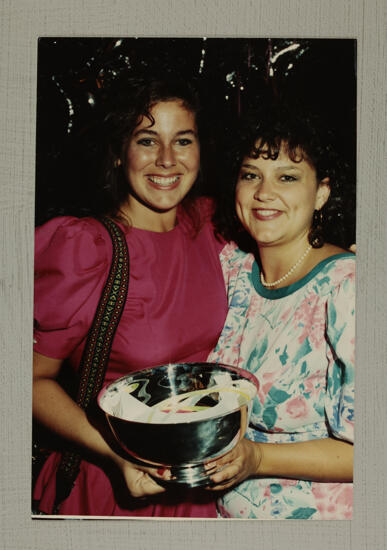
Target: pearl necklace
{"x": 298, "y": 262}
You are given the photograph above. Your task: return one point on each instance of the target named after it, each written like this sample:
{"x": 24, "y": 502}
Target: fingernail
{"x": 160, "y": 471}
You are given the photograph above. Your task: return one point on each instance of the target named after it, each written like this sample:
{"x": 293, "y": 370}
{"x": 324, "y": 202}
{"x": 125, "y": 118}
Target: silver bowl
{"x": 180, "y": 416}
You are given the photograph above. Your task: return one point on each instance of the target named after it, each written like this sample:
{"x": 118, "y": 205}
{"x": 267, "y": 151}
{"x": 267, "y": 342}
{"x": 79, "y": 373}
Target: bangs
{"x": 271, "y": 148}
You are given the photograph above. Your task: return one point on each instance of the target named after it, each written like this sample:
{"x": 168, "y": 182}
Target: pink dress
{"x": 175, "y": 310}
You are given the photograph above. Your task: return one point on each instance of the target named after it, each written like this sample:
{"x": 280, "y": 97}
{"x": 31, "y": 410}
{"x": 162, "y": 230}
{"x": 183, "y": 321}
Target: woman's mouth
{"x": 265, "y": 214}
{"x": 164, "y": 182}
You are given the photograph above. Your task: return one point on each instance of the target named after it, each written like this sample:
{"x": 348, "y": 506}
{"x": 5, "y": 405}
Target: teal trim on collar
{"x": 278, "y": 293}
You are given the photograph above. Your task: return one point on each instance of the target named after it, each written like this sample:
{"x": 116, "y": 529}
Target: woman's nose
{"x": 166, "y": 157}
{"x": 265, "y": 190}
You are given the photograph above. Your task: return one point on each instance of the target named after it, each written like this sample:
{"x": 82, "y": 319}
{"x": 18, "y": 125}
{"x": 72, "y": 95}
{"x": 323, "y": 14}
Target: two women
{"x": 290, "y": 322}
{"x": 290, "y": 317}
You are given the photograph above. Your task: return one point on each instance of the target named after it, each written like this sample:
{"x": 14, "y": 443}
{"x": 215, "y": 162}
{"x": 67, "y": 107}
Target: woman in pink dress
{"x": 151, "y": 172}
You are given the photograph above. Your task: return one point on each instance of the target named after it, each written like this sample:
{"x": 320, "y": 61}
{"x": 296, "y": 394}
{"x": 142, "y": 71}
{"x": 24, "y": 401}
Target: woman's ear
{"x": 117, "y": 163}
{"x": 323, "y": 192}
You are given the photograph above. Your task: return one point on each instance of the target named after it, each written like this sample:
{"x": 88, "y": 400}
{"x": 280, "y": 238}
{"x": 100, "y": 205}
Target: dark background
{"x": 232, "y": 73}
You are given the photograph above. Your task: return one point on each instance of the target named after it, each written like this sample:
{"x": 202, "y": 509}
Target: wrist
{"x": 121, "y": 462}
{"x": 258, "y": 451}
{"x": 117, "y": 459}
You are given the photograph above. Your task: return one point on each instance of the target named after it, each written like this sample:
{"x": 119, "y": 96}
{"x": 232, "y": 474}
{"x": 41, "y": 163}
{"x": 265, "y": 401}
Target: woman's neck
{"x": 142, "y": 217}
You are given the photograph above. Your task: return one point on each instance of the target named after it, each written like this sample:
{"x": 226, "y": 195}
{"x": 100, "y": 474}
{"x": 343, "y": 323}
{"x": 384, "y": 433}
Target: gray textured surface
{"x": 21, "y": 22}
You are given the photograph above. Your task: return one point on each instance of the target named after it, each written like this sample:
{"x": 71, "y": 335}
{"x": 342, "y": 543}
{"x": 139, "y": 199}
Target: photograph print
{"x": 194, "y": 290}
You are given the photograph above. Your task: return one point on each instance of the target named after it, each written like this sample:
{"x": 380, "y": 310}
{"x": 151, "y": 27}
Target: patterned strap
{"x": 97, "y": 348}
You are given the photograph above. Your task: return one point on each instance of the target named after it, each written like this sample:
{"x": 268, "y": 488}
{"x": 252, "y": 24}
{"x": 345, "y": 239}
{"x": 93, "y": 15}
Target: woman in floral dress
{"x": 291, "y": 322}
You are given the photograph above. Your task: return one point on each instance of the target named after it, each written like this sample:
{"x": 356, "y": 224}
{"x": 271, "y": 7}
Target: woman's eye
{"x": 145, "y": 141}
{"x": 288, "y": 178}
{"x": 248, "y": 176}
{"x": 184, "y": 141}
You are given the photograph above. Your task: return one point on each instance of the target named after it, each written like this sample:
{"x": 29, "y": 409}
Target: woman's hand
{"x": 322, "y": 460}
{"x": 139, "y": 481}
{"x": 237, "y": 465}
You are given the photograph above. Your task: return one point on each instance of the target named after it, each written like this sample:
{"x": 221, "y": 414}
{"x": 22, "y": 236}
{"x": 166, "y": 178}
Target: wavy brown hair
{"x": 125, "y": 105}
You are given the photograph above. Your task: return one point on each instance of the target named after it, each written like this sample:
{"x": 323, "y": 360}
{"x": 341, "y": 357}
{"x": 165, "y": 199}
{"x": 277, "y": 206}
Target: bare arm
{"x": 325, "y": 460}
{"x": 58, "y": 412}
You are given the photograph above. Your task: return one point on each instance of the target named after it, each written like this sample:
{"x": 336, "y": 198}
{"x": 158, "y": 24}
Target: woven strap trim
{"x": 98, "y": 345}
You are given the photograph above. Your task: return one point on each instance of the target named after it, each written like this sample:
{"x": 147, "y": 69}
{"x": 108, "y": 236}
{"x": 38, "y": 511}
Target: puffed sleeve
{"x": 72, "y": 258}
{"x": 341, "y": 352}
{"x": 234, "y": 264}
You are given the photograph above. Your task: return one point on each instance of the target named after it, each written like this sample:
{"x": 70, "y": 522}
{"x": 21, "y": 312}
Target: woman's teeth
{"x": 267, "y": 212}
{"x": 163, "y": 181}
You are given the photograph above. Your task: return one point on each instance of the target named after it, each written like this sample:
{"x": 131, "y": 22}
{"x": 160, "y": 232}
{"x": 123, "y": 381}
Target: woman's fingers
{"x": 225, "y": 472}
{"x": 148, "y": 486}
{"x": 237, "y": 465}
{"x": 139, "y": 482}
{"x": 164, "y": 474}
{"x": 222, "y": 461}
{"x": 226, "y": 476}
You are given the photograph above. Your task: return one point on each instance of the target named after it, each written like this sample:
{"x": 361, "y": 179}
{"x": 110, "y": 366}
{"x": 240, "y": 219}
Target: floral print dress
{"x": 299, "y": 342}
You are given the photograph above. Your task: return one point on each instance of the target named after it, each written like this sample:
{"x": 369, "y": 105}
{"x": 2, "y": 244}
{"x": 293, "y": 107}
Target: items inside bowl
{"x": 225, "y": 395}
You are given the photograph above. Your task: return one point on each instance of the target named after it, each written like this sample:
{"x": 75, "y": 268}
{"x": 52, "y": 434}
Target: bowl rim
{"x": 245, "y": 374}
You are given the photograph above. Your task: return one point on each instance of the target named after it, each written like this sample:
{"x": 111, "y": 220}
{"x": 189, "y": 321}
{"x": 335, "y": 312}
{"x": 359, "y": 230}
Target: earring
{"x": 316, "y": 238}
{"x": 318, "y": 218}
{"x": 117, "y": 163}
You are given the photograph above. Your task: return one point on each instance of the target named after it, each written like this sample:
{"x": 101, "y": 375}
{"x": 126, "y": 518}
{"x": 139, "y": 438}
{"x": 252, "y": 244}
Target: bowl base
{"x": 191, "y": 476}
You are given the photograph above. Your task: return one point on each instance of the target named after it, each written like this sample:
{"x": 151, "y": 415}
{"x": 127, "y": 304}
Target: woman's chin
{"x": 266, "y": 240}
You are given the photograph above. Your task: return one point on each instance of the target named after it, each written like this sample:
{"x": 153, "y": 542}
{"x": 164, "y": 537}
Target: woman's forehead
{"x": 169, "y": 112}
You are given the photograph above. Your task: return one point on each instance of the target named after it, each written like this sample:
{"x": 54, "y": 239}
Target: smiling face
{"x": 161, "y": 163}
{"x": 275, "y": 199}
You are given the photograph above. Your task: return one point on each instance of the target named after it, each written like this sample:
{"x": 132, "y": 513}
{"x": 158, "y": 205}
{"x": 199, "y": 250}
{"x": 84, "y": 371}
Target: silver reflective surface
{"x": 182, "y": 442}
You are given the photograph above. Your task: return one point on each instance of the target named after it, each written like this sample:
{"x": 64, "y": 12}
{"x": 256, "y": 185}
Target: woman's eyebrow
{"x": 181, "y": 132}
{"x": 277, "y": 168}
{"x": 144, "y": 131}
{"x": 154, "y": 133}
{"x": 287, "y": 167}
{"x": 249, "y": 166}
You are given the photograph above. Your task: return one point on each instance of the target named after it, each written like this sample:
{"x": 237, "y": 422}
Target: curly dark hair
{"x": 305, "y": 136}
{"x": 125, "y": 105}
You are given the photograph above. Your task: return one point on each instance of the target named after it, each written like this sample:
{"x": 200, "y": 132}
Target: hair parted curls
{"x": 304, "y": 136}
{"x": 124, "y": 105}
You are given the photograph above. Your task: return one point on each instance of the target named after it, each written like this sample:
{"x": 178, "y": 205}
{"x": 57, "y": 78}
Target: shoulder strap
{"x": 96, "y": 353}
